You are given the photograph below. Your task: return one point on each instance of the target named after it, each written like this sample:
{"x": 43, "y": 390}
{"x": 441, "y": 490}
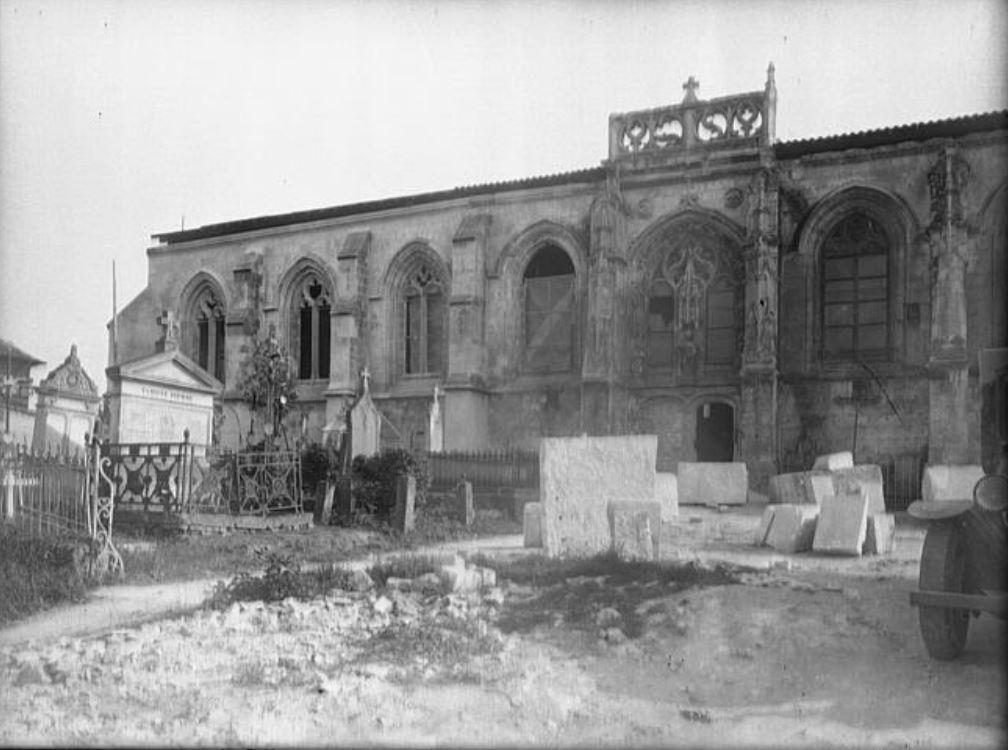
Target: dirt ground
{"x": 802, "y": 650}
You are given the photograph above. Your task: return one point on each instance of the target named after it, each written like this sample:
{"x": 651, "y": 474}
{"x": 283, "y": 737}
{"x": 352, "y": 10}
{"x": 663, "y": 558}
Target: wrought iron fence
{"x": 61, "y": 495}
{"x": 485, "y": 469}
{"x": 264, "y": 482}
{"x": 152, "y": 477}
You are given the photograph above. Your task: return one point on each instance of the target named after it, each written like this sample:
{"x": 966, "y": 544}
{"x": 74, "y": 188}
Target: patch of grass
{"x": 282, "y": 579}
{"x": 601, "y": 581}
{"x": 409, "y": 565}
{"x": 36, "y": 574}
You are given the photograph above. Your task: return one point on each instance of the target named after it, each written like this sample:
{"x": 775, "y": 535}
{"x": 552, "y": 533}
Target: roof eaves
{"x": 919, "y": 131}
{"x": 334, "y": 212}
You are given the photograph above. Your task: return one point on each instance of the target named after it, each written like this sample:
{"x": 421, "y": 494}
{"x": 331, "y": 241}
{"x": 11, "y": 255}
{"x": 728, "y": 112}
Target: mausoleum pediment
{"x": 168, "y": 368}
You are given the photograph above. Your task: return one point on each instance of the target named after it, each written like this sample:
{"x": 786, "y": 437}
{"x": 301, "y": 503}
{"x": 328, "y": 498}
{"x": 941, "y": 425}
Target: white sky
{"x": 119, "y": 118}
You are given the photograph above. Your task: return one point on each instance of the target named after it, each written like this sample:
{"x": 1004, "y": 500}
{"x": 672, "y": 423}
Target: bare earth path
{"x": 812, "y": 651}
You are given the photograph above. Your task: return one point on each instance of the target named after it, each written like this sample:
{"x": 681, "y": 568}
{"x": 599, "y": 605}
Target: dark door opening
{"x": 715, "y": 432}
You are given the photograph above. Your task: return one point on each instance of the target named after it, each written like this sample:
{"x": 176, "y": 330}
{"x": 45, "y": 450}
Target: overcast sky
{"x": 118, "y": 119}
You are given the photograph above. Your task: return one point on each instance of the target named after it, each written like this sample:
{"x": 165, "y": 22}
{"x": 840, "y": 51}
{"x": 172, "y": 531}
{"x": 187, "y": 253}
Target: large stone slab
{"x": 833, "y": 461}
{"x": 801, "y": 488}
{"x": 667, "y": 493}
{"x": 866, "y": 478}
{"x": 793, "y": 527}
{"x": 712, "y": 483}
{"x": 764, "y": 526}
{"x": 880, "y": 538}
{"x": 842, "y": 525}
{"x": 579, "y": 477}
{"x": 943, "y": 482}
{"x": 532, "y": 524}
{"x": 626, "y": 524}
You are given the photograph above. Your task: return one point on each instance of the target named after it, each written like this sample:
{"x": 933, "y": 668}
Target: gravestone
{"x": 843, "y": 524}
{"x": 365, "y": 422}
{"x": 157, "y": 398}
{"x": 942, "y": 482}
{"x": 712, "y": 482}
{"x": 435, "y": 424}
{"x": 464, "y": 495}
{"x": 532, "y": 525}
{"x": 324, "y": 509}
{"x": 628, "y": 522}
{"x": 667, "y": 493}
{"x": 403, "y": 514}
{"x": 579, "y": 477}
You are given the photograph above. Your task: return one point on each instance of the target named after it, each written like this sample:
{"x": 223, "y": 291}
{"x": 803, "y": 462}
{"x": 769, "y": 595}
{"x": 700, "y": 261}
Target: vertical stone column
{"x": 948, "y": 365}
{"x": 466, "y": 406}
{"x": 757, "y": 422}
{"x": 605, "y": 272}
{"x": 346, "y": 344}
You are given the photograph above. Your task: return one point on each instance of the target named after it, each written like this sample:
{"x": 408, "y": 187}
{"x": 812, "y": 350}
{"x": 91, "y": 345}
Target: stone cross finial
{"x": 437, "y": 393}
{"x": 366, "y": 378}
{"x": 170, "y": 330}
{"x": 690, "y": 87}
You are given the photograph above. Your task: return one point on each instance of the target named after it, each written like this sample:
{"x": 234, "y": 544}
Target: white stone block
{"x": 842, "y": 525}
{"x": 579, "y": 477}
{"x": 866, "y": 478}
{"x": 633, "y": 513}
{"x": 793, "y": 528}
{"x": 532, "y": 524}
{"x": 712, "y": 483}
{"x": 801, "y": 487}
{"x": 943, "y": 482}
{"x": 880, "y": 538}
{"x": 667, "y": 493}
{"x": 833, "y": 461}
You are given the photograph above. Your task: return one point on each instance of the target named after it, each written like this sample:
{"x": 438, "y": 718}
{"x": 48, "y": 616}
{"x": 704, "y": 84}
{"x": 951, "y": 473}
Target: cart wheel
{"x": 943, "y": 568}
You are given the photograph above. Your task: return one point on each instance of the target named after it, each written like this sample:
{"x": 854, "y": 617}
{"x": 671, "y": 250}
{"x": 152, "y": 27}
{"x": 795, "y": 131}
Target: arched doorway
{"x": 715, "y": 431}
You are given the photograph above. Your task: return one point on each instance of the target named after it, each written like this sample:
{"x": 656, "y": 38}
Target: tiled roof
{"x": 919, "y": 131}
{"x": 948, "y": 128}
{"x": 16, "y": 353}
{"x": 335, "y": 212}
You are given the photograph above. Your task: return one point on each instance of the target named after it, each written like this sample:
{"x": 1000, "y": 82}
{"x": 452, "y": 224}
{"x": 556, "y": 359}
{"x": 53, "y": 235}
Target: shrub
{"x": 282, "y": 579}
{"x": 36, "y": 574}
{"x": 314, "y": 468}
{"x": 374, "y": 479}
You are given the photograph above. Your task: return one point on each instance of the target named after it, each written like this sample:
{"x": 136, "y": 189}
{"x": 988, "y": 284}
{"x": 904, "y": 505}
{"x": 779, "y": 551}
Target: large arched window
{"x": 312, "y": 325}
{"x": 424, "y": 321}
{"x": 855, "y": 290}
{"x": 549, "y": 291}
{"x": 204, "y": 336}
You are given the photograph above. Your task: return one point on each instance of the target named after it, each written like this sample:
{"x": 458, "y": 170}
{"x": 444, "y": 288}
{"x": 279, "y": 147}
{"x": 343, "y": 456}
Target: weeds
{"x": 282, "y": 579}
{"x": 404, "y": 566}
{"x": 36, "y": 574}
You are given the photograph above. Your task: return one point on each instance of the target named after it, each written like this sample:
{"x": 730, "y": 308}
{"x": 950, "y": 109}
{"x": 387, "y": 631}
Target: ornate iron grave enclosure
{"x": 264, "y": 482}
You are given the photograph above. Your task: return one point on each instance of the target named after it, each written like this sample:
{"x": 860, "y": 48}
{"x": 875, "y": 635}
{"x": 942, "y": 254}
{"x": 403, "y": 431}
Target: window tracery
{"x": 205, "y": 338}
{"x": 313, "y": 308}
{"x": 423, "y": 323}
{"x": 549, "y": 290}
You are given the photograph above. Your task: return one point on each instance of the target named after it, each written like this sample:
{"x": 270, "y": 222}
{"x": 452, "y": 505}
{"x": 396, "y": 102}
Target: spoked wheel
{"x": 943, "y": 568}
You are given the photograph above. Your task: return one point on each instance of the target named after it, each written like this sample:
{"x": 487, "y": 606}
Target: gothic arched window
{"x": 204, "y": 340}
{"x": 855, "y": 290}
{"x": 312, "y": 308}
{"x": 424, "y": 323}
{"x": 661, "y": 314}
{"x": 549, "y": 293}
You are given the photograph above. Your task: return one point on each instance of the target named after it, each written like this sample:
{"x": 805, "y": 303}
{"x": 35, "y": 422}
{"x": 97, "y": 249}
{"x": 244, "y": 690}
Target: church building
{"x": 739, "y": 297}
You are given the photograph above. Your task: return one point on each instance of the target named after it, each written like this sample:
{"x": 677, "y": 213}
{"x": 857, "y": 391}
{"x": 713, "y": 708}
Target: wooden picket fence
{"x": 510, "y": 468}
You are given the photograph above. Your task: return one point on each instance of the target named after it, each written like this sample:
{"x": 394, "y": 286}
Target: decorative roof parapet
{"x": 740, "y": 119}
{"x": 70, "y": 379}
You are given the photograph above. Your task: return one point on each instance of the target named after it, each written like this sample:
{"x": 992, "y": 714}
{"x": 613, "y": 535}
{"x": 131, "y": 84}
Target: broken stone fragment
{"x": 383, "y": 605}
{"x": 843, "y": 525}
{"x": 358, "y": 580}
{"x": 608, "y": 617}
{"x": 793, "y": 528}
{"x": 880, "y": 538}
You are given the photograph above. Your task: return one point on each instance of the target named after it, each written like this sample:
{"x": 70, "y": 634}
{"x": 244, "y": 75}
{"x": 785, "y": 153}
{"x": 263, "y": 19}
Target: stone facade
{"x": 741, "y": 298}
